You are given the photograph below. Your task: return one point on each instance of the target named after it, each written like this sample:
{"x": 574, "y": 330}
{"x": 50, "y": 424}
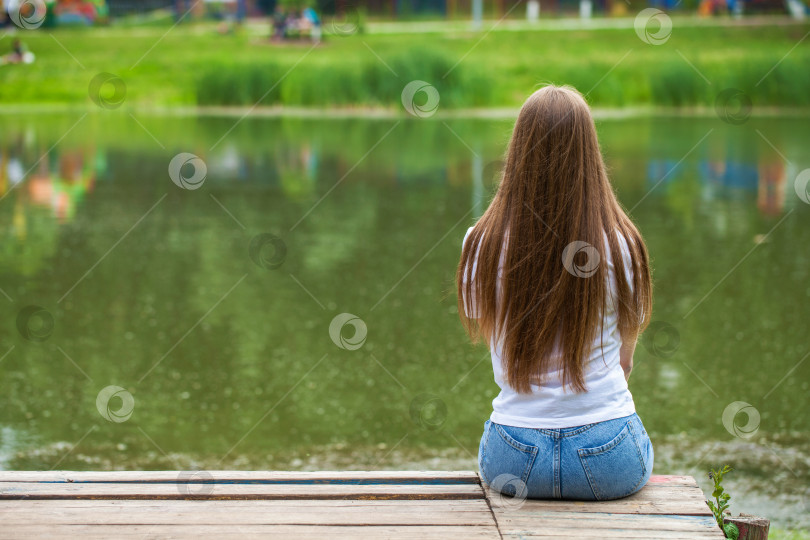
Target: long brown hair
{"x": 553, "y": 208}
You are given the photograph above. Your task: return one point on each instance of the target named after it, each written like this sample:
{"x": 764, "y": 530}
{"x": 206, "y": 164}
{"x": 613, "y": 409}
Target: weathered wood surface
{"x": 262, "y": 512}
{"x": 670, "y": 507}
{"x": 659, "y": 496}
{"x": 608, "y": 525}
{"x": 287, "y": 477}
{"x": 234, "y": 491}
{"x": 106, "y": 532}
{"x": 346, "y": 504}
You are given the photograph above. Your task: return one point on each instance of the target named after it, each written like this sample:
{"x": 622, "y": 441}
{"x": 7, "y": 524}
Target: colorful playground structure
{"x": 60, "y": 12}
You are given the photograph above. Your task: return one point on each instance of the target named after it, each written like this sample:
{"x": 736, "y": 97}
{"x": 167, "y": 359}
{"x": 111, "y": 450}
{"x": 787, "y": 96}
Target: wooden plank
{"x": 317, "y": 512}
{"x": 659, "y": 500}
{"x": 667, "y": 508}
{"x": 229, "y": 532}
{"x": 281, "y": 503}
{"x": 608, "y": 533}
{"x": 601, "y": 525}
{"x": 394, "y": 477}
{"x": 670, "y": 481}
{"x": 78, "y": 490}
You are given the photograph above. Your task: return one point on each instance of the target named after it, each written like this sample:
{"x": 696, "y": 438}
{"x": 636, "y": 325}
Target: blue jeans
{"x": 601, "y": 461}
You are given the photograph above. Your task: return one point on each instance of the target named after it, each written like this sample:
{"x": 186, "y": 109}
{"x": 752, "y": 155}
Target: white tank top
{"x": 550, "y": 405}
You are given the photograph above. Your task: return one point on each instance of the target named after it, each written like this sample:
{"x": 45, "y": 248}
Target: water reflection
{"x": 58, "y": 180}
{"x": 729, "y": 178}
{"x": 61, "y": 178}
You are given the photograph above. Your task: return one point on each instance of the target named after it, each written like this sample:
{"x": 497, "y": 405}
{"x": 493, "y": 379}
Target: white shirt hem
{"x": 567, "y": 422}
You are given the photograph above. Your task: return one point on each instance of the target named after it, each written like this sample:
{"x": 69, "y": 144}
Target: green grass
{"x": 193, "y": 65}
{"x": 783, "y": 534}
{"x": 368, "y": 82}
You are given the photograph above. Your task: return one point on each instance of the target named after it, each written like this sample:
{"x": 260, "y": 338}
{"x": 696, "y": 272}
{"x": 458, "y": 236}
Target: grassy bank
{"x": 193, "y": 65}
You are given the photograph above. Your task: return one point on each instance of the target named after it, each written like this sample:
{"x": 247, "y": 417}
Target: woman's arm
{"x": 626, "y": 357}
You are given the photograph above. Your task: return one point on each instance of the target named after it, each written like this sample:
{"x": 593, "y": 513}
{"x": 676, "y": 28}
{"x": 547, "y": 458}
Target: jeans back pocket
{"x": 504, "y": 459}
{"x": 615, "y": 469}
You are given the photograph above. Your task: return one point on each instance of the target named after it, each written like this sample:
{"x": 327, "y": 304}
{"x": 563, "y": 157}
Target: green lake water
{"x": 211, "y": 307}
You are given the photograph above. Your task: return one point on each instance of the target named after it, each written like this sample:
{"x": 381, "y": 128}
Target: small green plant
{"x": 720, "y": 503}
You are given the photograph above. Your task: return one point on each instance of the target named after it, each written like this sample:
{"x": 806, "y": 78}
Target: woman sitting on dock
{"x": 537, "y": 282}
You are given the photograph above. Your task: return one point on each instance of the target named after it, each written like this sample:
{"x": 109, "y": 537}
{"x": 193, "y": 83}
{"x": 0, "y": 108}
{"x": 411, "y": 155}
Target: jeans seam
{"x": 640, "y": 460}
{"x": 487, "y": 433}
{"x": 557, "y": 468}
{"x": 530, "y": 451}
{"x": 578, "y": 431}
{"x": 529, "y": 448}
{"x": 529, "y": 465}
{"x": 591, "y": 483}
{"x": 640, "y": 456}
{"x": 607, "y": 446}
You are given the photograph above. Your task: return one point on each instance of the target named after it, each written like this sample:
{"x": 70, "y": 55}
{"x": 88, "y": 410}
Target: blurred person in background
{"x": 314, "y": 23}
{"x": 279, "y": 23}
{"x": 19, "y": 54}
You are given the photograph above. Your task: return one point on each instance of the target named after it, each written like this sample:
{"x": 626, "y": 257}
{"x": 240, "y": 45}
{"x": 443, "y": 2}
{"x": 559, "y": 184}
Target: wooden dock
{"x": 388, "y": 504}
